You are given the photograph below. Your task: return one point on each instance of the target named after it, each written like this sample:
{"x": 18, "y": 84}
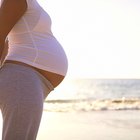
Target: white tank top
{"x": 32, "y": 42}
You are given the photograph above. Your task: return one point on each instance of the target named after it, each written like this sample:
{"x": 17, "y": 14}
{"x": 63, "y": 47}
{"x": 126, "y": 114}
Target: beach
{"x": 92, "y": 109}
{"x": 96, "y": 125}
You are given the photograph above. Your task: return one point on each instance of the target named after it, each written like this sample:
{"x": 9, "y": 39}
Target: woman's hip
{"x": 22, "y": 83}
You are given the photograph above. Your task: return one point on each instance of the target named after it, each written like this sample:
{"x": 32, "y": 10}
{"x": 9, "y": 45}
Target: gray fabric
{"x": 22, "y": 93}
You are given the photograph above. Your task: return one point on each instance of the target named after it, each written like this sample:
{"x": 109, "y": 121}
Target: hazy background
{"x": 101, "y": 37}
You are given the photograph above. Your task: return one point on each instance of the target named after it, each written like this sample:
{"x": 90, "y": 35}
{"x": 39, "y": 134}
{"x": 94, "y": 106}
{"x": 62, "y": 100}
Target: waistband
{"x": 45, "y": 81}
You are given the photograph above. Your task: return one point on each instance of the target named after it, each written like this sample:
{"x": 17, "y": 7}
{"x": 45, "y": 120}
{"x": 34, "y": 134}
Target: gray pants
{"x": 22, "y": 93}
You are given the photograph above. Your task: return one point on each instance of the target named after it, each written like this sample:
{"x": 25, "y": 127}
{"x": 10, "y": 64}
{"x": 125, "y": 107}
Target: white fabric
{"x": 31, "y": 41}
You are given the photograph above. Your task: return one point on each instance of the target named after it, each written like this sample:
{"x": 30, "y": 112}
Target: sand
{"x": 96, "y": 125}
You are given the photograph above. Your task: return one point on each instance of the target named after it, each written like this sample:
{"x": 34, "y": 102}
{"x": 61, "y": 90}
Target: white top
{"x": 31, "y": 41}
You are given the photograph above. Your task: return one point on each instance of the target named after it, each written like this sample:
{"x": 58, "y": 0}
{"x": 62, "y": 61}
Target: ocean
{"x": 95, "y": 94}
{"x": 92, "y": 109}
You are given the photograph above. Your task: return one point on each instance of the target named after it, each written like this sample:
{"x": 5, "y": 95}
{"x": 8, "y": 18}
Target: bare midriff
{"x": 54, "y": 78}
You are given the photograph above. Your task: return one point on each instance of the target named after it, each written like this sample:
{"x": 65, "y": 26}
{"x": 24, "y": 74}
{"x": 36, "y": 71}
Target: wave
{"x": 92, "y": 105}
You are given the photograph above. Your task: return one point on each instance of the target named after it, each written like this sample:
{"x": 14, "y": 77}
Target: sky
{"x": 100, "y": 37}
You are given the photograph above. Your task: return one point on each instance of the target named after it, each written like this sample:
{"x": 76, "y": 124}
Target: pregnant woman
{"x": 34, "y": 65}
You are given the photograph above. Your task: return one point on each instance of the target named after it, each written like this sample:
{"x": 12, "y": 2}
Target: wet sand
{"x": 96, "y": 125}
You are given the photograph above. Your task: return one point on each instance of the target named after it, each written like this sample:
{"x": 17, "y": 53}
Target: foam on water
{"x": 96, "y": 94}
{"x": 92, "y": 105}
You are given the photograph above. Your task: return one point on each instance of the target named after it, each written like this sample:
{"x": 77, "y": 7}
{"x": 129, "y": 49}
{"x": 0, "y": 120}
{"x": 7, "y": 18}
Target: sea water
{"x": 95, "y": 94}
{"x": 93, "y": 109}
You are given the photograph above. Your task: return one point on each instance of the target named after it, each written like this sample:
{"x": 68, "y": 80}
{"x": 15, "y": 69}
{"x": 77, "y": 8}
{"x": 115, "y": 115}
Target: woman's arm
{"x": 10, "y": 12}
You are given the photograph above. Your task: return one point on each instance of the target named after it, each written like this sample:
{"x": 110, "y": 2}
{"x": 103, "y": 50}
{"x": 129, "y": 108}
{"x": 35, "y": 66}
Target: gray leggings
{"x": 22, "y": 93}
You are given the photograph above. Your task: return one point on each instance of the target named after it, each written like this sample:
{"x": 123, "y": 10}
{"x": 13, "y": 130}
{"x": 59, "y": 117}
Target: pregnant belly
{"x": 54, "y": 78}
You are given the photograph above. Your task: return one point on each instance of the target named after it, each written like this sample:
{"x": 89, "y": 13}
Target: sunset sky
{"x": 101, "y": 37}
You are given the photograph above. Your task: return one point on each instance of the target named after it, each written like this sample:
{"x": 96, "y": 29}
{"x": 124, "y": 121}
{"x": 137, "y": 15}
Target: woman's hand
{"x": 4, "y": 51}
